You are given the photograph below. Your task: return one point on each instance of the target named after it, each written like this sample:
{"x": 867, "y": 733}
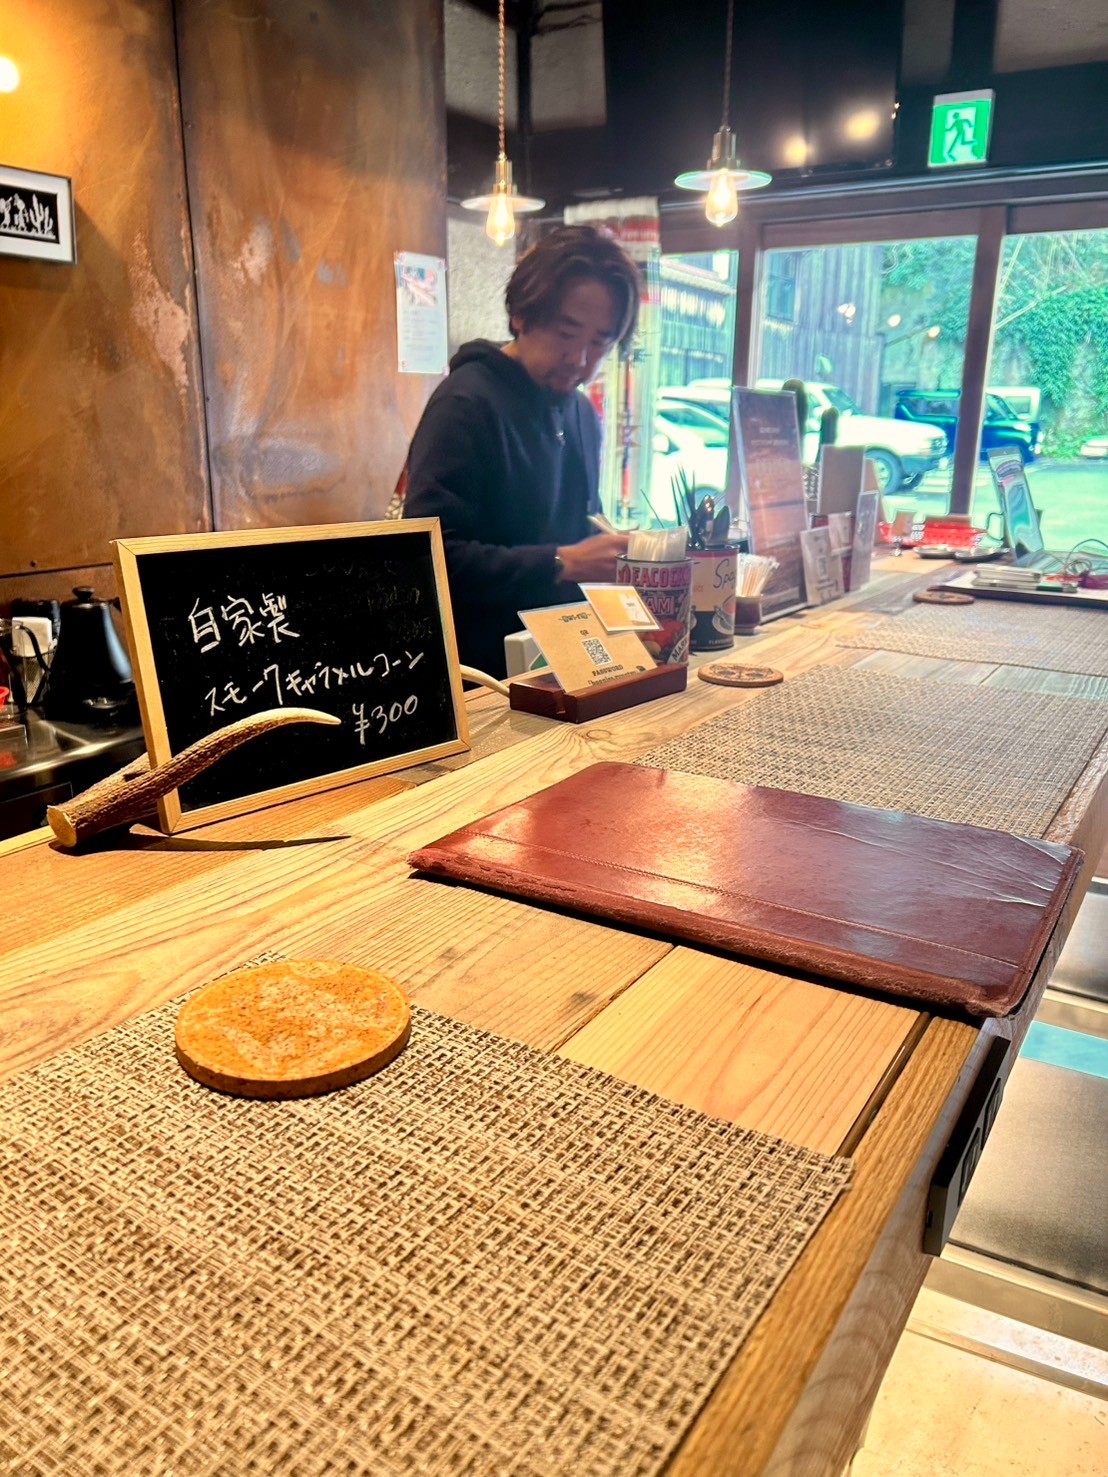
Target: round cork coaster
{"x": 937, "y": 595}
{"x": 735, "y": 674}
{"x": 295, "y": 1028}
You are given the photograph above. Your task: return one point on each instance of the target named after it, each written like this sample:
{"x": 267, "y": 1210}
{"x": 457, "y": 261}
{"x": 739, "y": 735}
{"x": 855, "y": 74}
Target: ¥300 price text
{"x": 381, "y": 718}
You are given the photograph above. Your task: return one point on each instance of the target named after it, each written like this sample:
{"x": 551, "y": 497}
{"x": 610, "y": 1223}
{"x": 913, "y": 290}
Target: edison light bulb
{"x": 722, "y": 203}
{"x": 501, "y": 224}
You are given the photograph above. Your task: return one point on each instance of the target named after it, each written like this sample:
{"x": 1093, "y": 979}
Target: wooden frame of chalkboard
{"x": 351, "y": 618}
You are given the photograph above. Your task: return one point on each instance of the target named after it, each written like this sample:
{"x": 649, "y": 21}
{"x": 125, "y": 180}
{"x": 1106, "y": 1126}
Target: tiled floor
{"x": 972, "y": 1395}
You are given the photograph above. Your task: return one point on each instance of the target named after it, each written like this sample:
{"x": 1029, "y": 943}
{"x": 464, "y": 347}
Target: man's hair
{"x": 566, "y": 255}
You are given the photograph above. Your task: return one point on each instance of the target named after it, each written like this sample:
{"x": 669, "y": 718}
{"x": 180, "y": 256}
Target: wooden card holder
{"x": 540, "y": 693}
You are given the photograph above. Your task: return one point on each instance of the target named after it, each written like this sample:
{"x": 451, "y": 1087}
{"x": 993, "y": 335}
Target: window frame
{"x": 990, "y": 206}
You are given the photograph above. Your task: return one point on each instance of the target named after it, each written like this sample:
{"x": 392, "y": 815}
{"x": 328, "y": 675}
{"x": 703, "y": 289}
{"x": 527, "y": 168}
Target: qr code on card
{"x": 596, "y": 651}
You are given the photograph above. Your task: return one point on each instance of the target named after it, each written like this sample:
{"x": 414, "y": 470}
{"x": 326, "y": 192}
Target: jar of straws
{"x": 751, "y": 573}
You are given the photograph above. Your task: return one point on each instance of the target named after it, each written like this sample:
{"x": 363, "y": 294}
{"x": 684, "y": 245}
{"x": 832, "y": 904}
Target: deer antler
{"x": 134, "y": 790}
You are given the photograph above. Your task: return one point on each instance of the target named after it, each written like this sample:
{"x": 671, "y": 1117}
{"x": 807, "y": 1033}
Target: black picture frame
{"x": 36, "y": 216}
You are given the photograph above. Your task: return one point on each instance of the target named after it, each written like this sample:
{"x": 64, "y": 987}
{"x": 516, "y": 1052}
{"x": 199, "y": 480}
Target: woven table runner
{"x": 483, "y": 1260}
{"x": 984, "y": 756}
{"x": 999, "y": 631}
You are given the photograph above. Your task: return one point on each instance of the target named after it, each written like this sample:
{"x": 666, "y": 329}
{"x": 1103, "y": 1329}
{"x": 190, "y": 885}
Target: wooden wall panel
{"x": 100, "y": 407}
{"x": 315, "y": 148}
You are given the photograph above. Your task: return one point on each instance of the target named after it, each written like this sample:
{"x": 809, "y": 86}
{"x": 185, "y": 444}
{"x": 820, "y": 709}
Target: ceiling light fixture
{"x": 503, "y": 203}
{"x": 724, "y": 176}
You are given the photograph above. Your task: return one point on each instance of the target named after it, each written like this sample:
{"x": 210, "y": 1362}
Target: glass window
{"x": 698, "y": 317}
{"x": 679, "y": 372}
{"x": 997, "y": 409}
{"x": 713, "y": 430}
{"x": 1048, "y": 380}
{"x": 692, "y": 421}
{"x": 875, "y": 324}
{"x": 781, "y": 286}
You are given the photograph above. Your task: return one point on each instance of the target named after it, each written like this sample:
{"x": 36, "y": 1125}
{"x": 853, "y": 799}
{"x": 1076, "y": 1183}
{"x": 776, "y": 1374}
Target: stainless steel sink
{"x": 51, "y": 762}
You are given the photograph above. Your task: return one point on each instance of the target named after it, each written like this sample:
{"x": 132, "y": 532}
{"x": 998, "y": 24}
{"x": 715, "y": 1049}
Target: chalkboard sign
{"x": 350, "y": 618}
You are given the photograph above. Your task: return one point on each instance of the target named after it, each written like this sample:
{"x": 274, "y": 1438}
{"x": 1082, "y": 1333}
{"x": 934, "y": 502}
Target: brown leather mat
{"x": 943, "y": 915}
{"x": 482, "y": 1260}
{"x": 984, "y": 756}
{"x": 1001, "y": 631}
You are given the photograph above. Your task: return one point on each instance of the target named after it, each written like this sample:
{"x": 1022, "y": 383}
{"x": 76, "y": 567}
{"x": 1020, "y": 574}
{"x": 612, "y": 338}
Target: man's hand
{"x": 593, "y": 559}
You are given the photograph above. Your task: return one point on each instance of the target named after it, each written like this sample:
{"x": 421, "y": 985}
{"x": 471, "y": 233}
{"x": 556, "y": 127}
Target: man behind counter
{"x": 507, "y": 453}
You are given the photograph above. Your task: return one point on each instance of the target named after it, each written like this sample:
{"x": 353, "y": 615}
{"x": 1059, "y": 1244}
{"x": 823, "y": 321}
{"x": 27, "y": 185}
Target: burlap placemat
{"x": 1002, "y": 631}
{"x": 984, "y": 756}
{"x": 483, "y": 1260}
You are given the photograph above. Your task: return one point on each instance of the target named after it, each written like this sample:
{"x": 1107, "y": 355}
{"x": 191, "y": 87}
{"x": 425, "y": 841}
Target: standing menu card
{"x": 823, "y": 566}
{"x": 865, "y": 530}
{"x": 840, "y": 478}
{"x": 421, "y": 340}
{"x": 768, "y": 441}
{"x": 581, "y": 650}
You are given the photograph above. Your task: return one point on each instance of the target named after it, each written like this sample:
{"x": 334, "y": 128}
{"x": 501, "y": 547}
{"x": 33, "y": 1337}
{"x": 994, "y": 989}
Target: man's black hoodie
{"x": 512, "y": 472}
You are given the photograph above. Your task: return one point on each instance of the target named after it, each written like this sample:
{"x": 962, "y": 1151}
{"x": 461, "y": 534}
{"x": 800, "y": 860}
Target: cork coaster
{"x": 735, "y": 674}
{"x": 292, "y": 1029}
{"x": 937, "y": 595}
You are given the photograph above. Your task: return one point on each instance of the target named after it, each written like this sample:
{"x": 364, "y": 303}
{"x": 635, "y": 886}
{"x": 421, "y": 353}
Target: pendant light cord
{"x": 500, "y": 106}
{"x": 726, "y": 60}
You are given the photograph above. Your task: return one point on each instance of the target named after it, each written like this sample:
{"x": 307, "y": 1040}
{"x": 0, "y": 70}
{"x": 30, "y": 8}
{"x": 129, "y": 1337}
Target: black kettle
{"x": 90, "y": 677}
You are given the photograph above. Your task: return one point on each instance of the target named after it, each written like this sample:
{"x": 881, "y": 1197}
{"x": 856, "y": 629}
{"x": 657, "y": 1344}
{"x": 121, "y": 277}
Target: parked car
{"x": 1001, "y": 425}
{"x": 1096, "y": 447}
{"x": 901, "y": 453}
{"x": 689, "y": 438}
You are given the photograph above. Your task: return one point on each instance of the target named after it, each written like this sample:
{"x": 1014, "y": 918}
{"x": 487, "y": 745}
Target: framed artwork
{"x": 36, "y": 216}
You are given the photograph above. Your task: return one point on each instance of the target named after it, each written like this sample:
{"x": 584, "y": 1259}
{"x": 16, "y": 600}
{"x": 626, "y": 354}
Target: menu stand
{"x": 540, "y": 693}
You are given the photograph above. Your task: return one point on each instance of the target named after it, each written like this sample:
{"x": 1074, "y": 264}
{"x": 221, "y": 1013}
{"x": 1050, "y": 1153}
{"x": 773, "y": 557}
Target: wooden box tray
{"x": 540, "y": 693}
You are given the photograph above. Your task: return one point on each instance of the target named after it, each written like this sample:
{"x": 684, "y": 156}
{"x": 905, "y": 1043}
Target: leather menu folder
{"x": 940, "y": 914}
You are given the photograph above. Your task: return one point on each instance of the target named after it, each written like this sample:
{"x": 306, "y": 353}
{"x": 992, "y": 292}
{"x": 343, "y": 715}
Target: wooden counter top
{"x": 93, "y": 939}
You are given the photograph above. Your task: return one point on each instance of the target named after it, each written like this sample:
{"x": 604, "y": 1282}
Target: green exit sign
{"x": 960, "y": 126}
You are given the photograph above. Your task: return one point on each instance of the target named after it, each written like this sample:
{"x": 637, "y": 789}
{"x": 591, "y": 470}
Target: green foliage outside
{"x": 1051, "y": 322}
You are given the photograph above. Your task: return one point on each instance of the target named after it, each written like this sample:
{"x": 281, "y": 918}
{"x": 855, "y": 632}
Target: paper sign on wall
{"x": 420, "y": 313}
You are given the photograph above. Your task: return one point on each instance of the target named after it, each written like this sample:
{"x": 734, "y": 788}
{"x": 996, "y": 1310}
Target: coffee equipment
{"x": 32, "y": 647}
{"x": 90, "y": 677}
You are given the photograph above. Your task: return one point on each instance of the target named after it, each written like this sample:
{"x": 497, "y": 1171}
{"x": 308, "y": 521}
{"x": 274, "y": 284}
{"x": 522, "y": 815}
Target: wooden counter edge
{"x": 796, "y": 1398}
{"x": 11, "y": 844}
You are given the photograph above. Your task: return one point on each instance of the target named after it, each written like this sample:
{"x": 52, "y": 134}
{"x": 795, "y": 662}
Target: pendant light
{"x": 503, "y": 204}
{"x": 724, "y": 177}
